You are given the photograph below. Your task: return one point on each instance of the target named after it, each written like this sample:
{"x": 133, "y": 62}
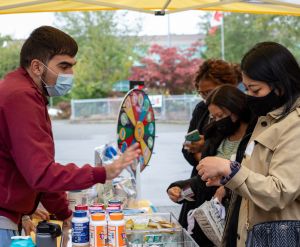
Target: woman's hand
{"x": 213, "y": 167}
{"x": 216, "y": 181}
{"x": 174, "y": 193}
{"x": 220, "y": 193}
{"x": 194, "y": 147}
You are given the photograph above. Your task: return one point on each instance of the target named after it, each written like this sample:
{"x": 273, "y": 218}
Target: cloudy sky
{"x": 20, "y": 25}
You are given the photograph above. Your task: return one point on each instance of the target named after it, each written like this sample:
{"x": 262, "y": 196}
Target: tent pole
{"x": 222, "y": 39}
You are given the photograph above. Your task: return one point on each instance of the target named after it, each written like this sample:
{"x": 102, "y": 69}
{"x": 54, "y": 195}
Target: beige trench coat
{"x": 269, "y": 178}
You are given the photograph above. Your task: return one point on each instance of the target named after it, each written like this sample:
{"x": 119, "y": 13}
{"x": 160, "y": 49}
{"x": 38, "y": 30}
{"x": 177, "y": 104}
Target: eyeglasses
{"x": 204, "y": 94}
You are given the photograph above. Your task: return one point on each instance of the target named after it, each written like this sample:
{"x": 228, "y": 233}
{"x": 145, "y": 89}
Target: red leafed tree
{"x": 168, "y": 69}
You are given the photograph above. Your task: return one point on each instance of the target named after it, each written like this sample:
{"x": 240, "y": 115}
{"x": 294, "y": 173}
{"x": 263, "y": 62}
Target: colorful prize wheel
{"x": 136, "y": 123}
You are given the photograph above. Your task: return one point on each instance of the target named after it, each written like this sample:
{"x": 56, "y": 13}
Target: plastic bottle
{"x": 117, "y": 204}
{"x": 82, "y": 207}
{"x": 47, "y": 233}
{"x": 98, "y": 230}
{"x": 116, "y": 230}
{"x": 21, "y": 241}
{"x": 96, "y": 208}
{"x": 77, "y": 197}
{"x": 80, "y": 229}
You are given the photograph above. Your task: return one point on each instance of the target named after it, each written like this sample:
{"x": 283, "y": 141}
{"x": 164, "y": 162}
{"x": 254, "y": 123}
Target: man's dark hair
{"x": 46, "y": 42}
{"x": 275, "y": 65}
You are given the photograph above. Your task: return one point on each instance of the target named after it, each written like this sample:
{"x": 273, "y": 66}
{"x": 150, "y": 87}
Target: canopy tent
{"x": 282, "y": 7}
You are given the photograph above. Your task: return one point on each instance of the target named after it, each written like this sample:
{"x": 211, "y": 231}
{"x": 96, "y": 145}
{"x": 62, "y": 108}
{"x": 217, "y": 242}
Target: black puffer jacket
{"x": 199, "y": 120}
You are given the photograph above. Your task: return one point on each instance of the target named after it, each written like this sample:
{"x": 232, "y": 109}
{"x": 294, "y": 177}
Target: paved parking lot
{"x": 76, "y": 142}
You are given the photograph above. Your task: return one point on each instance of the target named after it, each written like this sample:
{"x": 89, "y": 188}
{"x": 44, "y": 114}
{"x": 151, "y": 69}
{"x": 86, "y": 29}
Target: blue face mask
{"x": 63, "y": 85}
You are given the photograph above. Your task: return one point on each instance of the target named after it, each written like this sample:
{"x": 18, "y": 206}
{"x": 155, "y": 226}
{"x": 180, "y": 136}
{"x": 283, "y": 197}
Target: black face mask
{"x": 260, "y": 106}
{"x": 225, "y": 127}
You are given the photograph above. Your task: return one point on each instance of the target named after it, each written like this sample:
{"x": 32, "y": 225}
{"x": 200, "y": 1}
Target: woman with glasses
{"x": 226, "y": 136}
{"x": 211, "y": 74}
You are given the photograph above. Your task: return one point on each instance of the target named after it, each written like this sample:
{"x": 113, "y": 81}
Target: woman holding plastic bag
{"x": 226, "y": 136}
{"x": 268, "y": 176}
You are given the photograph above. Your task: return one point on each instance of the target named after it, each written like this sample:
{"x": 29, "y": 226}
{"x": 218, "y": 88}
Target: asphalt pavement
{"x": 75, "y": 142}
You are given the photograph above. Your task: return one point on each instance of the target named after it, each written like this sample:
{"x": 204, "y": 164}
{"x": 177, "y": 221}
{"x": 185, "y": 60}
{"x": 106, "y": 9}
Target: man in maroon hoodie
{"x": 28, "y": 171}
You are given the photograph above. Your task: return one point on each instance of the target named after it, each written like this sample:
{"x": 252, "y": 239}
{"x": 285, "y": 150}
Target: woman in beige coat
{"x": 268, "y": 178}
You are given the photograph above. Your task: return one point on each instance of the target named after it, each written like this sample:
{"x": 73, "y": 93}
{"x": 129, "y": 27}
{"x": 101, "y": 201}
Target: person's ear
{"x": 234, "y": 117}
{"x": 279, "y": 91}
{"x": 36, "y": 67}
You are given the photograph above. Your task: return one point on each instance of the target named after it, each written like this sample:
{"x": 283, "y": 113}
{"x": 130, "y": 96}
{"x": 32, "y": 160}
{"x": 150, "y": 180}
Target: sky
{"x": 19, "y": 26}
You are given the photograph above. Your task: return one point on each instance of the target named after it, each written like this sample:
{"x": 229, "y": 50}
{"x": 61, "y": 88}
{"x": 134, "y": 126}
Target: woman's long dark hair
{"x": 275, "y": 65}
{"x": 232, "y": 99}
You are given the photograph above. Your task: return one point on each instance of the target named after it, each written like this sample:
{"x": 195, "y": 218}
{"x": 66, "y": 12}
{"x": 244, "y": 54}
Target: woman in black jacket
{"x": 211, "y": 74}
{"x": 227, "y": 136}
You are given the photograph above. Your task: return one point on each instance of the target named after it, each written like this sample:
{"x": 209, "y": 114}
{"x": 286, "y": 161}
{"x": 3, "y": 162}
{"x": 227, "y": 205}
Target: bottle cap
{"x": 112, "y": 201}
{"x": 110, "y": 211}
{"x": 116, "y": 216}
{"x": 81, "y": 207}
{"x": 80, "y": 214}
{"x": 20, "y": 237}
{"x": 98, "y": 216}
{"x": 101, "y": 205}
{"x": 45, "y": 227}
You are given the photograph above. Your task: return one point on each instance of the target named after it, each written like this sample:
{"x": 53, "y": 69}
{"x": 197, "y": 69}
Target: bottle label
{"x": 98, "y": 236}
{"x": 80, "y": 232}
{"x": 116, "y": 236}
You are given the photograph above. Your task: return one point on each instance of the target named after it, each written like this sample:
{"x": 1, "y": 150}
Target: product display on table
{"x": 113, "y": 214}
{"x": 156, "y": 229}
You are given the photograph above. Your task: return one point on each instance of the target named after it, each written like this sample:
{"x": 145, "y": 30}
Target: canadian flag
{"x": 215, "y": 22}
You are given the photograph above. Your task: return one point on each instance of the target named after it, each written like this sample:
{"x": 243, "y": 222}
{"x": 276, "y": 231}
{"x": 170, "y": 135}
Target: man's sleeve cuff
{"x": 99, "y": 175}
{"x": 63, "y": 215}
{"x": 239, "y": 178}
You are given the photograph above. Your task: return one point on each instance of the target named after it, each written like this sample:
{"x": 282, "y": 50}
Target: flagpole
{"x": 222, "y": 39}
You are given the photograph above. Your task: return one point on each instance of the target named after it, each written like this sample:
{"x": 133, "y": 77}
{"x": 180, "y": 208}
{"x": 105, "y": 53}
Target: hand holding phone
{"x": 193, "y": 136}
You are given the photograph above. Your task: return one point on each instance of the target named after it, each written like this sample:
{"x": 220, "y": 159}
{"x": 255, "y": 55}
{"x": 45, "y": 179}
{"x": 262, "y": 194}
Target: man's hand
{"x": 194, "y": 147}
{"x": 174, "y": 193}
{"x": 41, "y": 214}
{"x": 125, "y": 159}
{"x": 67, "y": 223}
{"x": 66, "y": 228}
{"x": 27, "y": 225}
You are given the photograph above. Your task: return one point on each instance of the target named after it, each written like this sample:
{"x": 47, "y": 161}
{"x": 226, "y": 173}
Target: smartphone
{"x": 193, "y": 136}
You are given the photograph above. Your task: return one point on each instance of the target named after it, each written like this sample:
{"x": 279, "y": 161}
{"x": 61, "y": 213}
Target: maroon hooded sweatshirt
{"x": 28, "y": 172}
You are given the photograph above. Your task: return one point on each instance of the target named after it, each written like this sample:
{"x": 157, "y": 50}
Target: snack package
{"x": 123, "y": 187}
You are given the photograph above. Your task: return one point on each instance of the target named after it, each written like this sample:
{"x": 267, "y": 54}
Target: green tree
{"x": 107, "y": 50}
{"x": 9, "y": 54}
{"x": 242, "y": 31}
